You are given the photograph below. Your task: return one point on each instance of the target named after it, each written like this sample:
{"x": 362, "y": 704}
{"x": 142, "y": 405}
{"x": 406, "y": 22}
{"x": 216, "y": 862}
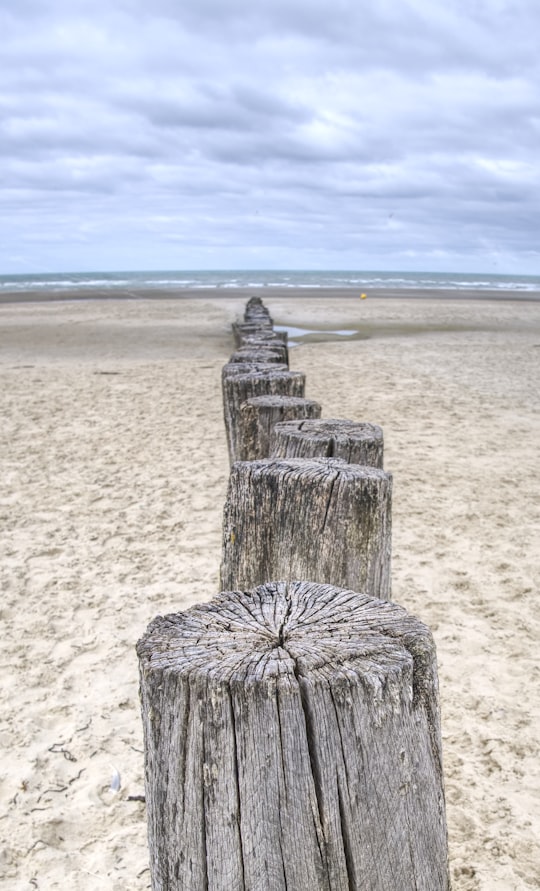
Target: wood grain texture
{"x": 233, "y": 368}
{"x": 278, "y": 341}
{"x": 317, "y": 518}
{"x": 259, "y": 417}
{"x": 356, "y": 442}
{"x": 238, "y": 388}
{"x": 263, "y": 335}
{"x": 257, "y": 312}
{"x": 261, "y": 352}
{"x": 292, "y": 743}
{"x": 258, "y": 329}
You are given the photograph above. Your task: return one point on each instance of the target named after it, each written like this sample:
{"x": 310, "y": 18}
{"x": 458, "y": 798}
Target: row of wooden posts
{"x": 292, "y": 734}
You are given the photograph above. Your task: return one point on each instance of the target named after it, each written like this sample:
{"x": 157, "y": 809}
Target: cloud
{"x": 374, "y": 131}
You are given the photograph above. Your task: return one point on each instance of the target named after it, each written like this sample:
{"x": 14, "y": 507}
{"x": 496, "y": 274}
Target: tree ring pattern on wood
{"x": 357, "y": 442}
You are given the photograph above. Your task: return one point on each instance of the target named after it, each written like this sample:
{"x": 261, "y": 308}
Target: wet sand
{"x": 268, "y": 294}
{"x": 114, "y": 476}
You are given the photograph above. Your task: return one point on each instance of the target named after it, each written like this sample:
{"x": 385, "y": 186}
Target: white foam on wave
{"x": 270, "y": 280}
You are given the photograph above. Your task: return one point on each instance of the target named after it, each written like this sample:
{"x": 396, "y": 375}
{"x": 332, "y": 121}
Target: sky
{"x": 270, "y": 134}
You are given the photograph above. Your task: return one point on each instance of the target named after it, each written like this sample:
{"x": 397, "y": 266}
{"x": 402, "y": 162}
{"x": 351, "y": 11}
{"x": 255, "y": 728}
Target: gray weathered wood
{"x": 237, "y": 368}
{"x": 267, "y": 335}
{"x": 354, "y": 441}
{"x": 318, "y": 519}
{"x": 264, "y": 341}
{"x": 256, "y": 311}
{"x": 242, "y": 330}
{"x": 260, "y": 415}
{"x": 238, "y": 388}
{"x": 292, "y": 743}
{"x": 273, "y": 342}
{"x": 261, "y": 352}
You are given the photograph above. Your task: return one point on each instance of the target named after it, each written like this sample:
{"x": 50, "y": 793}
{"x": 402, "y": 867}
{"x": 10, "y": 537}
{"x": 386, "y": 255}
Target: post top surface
{"x": 249, "y": 368}
{"x": 324, "y": 427}
{"x": 277, "y": 401}
{"x": 291, "y": 630}
{"x": 274, "y": 371}
{"x": 316, "y": 469}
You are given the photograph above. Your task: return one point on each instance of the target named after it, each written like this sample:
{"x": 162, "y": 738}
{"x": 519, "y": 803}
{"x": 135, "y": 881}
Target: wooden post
{"x": 355, "y": 442}
{"x": 262, "y": 352}
{"x": 318, "y": 518}
{"x": 260, "y": 415}
{"x": 236, "y": 368}
{"x": 256, "y": 343}
{"x": 263, "y": 334}
{"x": 243, "y": 330}
{"x": 237, "y": 388}
{"x": 256, "y": 311}
{"x": 292, "y": 743}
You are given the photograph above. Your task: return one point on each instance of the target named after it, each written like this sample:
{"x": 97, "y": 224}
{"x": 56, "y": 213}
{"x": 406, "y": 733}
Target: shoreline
{"x": 267, "y": 293}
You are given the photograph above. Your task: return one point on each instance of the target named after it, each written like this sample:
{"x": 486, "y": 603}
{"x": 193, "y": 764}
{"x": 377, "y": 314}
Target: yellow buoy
{"x": 363, "y": 296}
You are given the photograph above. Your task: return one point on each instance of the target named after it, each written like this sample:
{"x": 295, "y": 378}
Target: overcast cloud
{"x": 359, "y": 134}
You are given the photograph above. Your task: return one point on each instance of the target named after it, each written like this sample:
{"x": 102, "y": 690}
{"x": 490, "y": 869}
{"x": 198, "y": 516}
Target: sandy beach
{"x": 114, "y": 473}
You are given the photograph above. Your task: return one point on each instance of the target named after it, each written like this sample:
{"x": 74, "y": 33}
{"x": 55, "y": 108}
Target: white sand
{"x": 114, "y": 474}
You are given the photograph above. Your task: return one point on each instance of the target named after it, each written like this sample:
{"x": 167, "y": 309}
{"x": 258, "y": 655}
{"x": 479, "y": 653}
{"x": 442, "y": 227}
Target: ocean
{"x": 177, "y": 281}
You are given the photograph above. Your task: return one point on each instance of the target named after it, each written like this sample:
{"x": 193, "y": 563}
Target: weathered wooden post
{"x": 243, "y": 330}
{"x": 235, "y": 368}
{"x": 262, "y": 352}
{"x": 292, "y": 743}
{"x": 260, "y": 415}
{"x": 237, "y": 388}
{"x": 263, "y": 334}
{"x": 256, "y": 311}
{"x": 317, "y": 518}
{"x": 255, "y": 343}
{"x": 354, "y": 441}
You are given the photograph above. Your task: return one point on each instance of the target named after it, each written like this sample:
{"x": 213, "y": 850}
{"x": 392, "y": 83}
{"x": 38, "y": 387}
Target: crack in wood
{"x": 329, "y": 501}
{"x": 279, "y": 752}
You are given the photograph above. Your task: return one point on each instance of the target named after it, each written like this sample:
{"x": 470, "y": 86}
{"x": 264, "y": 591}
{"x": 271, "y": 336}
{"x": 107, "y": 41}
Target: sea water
{"x": 177, "y": 281}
